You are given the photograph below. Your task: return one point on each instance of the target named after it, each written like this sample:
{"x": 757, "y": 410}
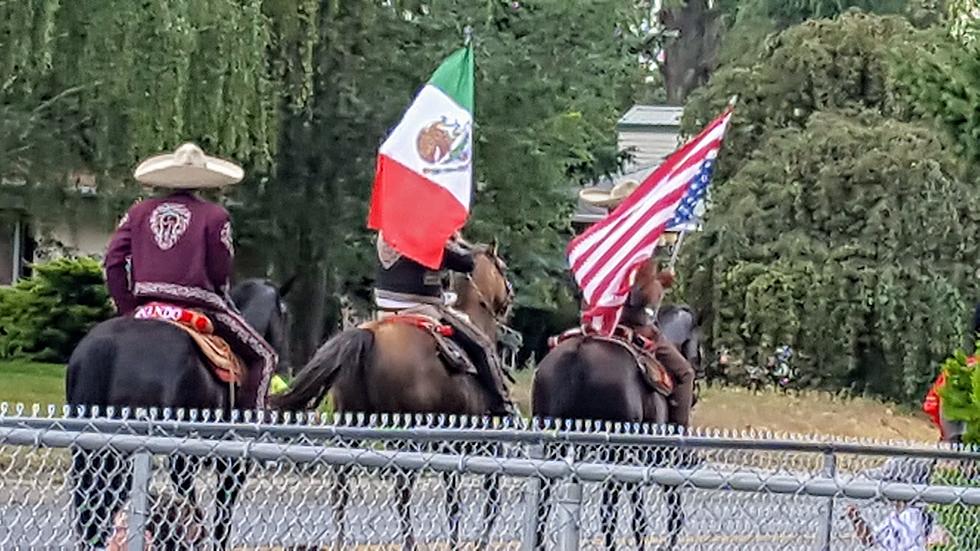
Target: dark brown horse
{"x": 594, "y": 379}
{"x": 394, "y": 368}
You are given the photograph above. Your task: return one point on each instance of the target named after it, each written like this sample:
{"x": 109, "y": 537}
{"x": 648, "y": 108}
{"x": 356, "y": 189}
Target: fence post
{"x": 139, "y": 500}
{"x": 532, "y": 497}
{"x": 827, "y": 524}
{"x": 570, "y": 510}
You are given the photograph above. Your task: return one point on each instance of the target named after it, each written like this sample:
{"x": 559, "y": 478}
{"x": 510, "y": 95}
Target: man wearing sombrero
{"x": 666, "y": 353}
{"x": 178, "y": 248}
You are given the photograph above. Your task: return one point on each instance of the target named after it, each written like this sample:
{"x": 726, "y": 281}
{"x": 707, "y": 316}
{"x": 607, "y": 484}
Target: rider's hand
{"x": 666, "y": 278}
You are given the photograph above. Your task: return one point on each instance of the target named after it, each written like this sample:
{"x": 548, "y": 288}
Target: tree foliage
{"x": 552, "y": 77}
{"x": 839, "y": 224}
{"x": 825, "y": 64}
{"x": 940, "y": 72}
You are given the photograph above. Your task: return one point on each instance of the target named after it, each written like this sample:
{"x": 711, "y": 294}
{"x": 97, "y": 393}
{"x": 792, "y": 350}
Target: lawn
{"x": 719, "y": 408}
{"x": 32, "y": 383}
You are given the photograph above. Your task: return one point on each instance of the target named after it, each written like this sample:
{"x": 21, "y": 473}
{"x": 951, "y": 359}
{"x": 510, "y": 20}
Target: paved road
{"x": 286, "y": 508}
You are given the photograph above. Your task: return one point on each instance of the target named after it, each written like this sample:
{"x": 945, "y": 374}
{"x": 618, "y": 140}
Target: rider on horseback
{"x": 644, "y": 322}
{"x": 682, "y": 398}
{"x": 402, "y": 285}
{"x": 178, "y": 249}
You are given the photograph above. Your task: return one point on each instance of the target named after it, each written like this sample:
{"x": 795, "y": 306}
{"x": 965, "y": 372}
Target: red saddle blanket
{"x": 453, "y": 356}
{"x": 640, "y": 347}
{"x": 227, "y": 366}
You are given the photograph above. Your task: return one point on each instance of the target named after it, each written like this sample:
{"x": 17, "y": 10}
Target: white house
{"x": 82, "y": 230}
{"x": 650, "y": 133}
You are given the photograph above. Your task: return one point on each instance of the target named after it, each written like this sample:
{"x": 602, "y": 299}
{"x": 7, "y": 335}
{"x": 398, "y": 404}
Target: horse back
{"x": 585, "y": 378}
{"x": 126, "y": 362}
{"x": 406, "y": 375}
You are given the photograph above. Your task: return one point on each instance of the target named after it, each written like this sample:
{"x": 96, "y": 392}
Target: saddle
{"x": 451, "y": 353}
{"x": 641, "y": 348}
{"x": 225, "y": 364}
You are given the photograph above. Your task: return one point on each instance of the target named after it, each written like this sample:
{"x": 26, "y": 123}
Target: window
{"x": 12, "y": 249}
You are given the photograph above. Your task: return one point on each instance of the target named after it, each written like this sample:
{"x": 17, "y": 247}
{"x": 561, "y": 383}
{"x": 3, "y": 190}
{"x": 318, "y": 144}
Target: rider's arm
{"x": 458, "y": 259}
{"x": 116, "y": 257}
{"x": 221, "y": 250}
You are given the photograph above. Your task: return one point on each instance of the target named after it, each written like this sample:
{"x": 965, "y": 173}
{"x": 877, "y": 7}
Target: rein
{"x": 506, "y": 335}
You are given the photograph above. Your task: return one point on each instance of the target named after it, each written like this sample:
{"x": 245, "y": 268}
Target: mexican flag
{"x": 424, "y": 175}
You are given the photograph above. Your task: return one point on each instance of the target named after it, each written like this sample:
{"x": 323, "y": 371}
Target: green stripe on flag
{"x": 455, "y": 77}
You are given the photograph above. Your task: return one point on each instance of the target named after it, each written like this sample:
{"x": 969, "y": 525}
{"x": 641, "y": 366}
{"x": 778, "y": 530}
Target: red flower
{"x": 971, "y": 361}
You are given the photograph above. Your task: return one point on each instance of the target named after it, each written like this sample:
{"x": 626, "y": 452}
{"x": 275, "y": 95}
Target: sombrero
{"x": 188, "y": 168}
{"x": 608, "y": 198}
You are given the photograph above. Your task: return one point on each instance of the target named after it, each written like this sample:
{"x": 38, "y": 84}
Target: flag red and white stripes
{"x": 604, "y": 258}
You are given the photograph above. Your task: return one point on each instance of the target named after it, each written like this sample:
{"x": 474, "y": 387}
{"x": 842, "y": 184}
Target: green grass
{"x": 31, "y": 382}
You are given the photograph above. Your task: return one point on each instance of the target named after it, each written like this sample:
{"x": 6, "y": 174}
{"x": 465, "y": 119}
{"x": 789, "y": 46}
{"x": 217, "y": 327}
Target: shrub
{"x": 960, "y": 396}
{"x": 43, "y": 317}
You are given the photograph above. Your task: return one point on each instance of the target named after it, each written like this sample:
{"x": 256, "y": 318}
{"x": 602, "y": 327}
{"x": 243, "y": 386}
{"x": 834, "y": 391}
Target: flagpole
{"x": 467, "y": 35}
{"x": 670, "y": 268}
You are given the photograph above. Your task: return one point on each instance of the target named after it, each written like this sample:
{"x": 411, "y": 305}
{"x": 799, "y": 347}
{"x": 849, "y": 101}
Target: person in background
{"x": 909, "y": 526}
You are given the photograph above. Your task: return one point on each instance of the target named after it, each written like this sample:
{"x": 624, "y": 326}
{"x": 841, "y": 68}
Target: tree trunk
{"x": 693, "y": 55}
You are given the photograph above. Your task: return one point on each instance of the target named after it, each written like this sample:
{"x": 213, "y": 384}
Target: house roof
{"x": 652, "y": 115}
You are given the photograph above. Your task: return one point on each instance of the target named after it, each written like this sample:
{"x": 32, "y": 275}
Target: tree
{"x": 95, "y": 86}
{"x": 824, "y": 64}
{"x": 830, "y": 242}
{"x": 840, "y": 224}
{"x": 940, "y": 72}
{"x": 693, "y": 29}
{"x": 552, "y": 78}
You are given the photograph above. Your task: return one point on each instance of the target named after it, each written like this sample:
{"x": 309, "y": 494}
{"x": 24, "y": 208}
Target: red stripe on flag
{"x": 416, "y": 216}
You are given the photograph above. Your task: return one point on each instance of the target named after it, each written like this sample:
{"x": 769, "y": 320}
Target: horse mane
{"x": 256, "y": 298}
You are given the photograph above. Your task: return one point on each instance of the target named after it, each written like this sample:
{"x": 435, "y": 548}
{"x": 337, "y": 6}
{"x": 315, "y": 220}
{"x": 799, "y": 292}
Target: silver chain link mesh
{"x": 78, "y": 479}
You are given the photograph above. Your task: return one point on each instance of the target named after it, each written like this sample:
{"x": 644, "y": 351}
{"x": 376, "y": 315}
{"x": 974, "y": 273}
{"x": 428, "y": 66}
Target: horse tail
{"x": 349, "y": 348}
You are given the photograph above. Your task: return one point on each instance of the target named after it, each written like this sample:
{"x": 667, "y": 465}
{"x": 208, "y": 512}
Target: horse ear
{"x": 493, "y": 246}
{"x": 287, "y": 286}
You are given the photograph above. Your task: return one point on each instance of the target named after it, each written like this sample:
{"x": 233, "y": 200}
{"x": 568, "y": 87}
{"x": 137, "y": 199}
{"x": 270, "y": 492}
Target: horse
{"x": 129, "y": 363}
{"x": 593, "y": 379}
{"x": 394, "y": 368}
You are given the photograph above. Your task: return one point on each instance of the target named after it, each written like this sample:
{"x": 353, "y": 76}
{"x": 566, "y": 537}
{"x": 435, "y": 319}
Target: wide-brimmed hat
{"x": 608, "y": 198}
{"x": 188, "y": 168}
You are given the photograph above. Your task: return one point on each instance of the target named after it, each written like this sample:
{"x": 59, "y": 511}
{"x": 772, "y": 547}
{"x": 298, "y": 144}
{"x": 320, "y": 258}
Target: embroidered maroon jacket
{"x": 178, "y": 247}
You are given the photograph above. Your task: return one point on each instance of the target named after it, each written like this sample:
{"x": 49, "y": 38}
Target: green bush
{"x": 43, "y": 317}
{"x": 960, "y": 395}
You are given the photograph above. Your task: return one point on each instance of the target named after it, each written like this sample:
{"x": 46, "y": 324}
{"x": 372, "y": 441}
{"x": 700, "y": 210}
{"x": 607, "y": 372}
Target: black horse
{"x": 130, "y": 363}
{"x": 594, "y": 380}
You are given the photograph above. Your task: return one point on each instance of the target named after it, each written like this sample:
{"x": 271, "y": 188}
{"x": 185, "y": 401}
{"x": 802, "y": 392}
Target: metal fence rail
{"x": 315, "y": 482}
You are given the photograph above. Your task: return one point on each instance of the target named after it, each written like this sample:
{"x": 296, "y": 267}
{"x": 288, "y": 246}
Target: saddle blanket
{"x": 227, "y": 366}
{"x": 641, "y": 348}
{"x": 451, "y": 353}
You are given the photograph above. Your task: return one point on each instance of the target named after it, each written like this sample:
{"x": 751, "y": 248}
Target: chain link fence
{"x": 193, "y": 480}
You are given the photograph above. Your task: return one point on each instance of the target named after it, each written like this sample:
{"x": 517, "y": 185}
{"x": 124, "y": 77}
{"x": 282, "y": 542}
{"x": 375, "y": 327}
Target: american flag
{"x": 605, "y": 257}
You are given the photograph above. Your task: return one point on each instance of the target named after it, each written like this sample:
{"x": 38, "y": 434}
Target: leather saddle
{"x": 223, "y": 362}
{"x": 640, "y": 348}
{"x": 452, "y": 354}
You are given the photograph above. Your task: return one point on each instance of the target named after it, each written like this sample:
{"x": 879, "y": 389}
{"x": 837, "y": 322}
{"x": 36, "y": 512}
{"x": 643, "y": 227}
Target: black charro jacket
{"x": 402, "y": 279}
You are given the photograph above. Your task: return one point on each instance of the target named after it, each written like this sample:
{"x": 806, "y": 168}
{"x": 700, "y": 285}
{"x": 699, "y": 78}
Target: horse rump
{"x": 350, "y": 348}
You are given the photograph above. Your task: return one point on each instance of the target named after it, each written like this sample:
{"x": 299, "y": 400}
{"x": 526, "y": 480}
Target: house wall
{"x": 87, "y": 238}
{"x": 650, "y": 145}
